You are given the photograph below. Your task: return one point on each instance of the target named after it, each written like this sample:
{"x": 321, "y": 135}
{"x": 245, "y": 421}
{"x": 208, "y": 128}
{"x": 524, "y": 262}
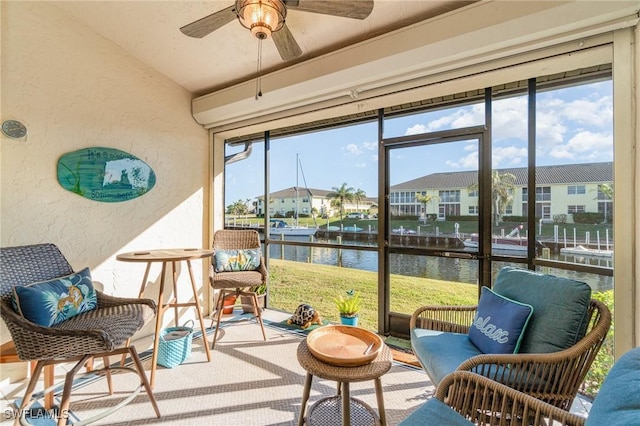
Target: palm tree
{"x": 425, "y": 199}
{"x": 359, "y": 195}
{"x": 607, "y": 194}
{"x": 341, "y": 194}
{"x": 503, "y": 186}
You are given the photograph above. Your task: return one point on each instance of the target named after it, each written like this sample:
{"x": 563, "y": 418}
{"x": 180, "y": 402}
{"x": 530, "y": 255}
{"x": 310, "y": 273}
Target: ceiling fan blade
{"x": 286, "y": 44}
{"x": 209, "y": 24}
{"x": 356, "y": 9}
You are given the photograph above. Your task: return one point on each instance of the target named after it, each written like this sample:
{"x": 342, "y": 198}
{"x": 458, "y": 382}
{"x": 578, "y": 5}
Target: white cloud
{"x": 416, "y": 129}
{"x": 509, "y": 120}
{"x": 360, "y": 165}
{"x": 588, "y": 146}
{"x": 353, "y": 149}
{"x": 370, "y": 146}
{"x": 468, "y": 162}
{"x": 509, "y": 156}
{"x": 592, "y": 112}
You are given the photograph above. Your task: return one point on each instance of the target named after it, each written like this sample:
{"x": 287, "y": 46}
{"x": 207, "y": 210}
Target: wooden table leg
{"x": 346, "y": 405}
{"x": 140, "y": 295}
{"x": 199, "y": 311}
{"x": 305, "y": 397}
{"x": 174, "y": 274}
{"x": 160, "y": 314}
{"x": 380, "y": 399}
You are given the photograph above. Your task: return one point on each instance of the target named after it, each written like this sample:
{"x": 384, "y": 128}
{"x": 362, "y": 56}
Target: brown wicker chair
{"x": 97, "y": 333}
{"x": 551, "y": 377}
{"x": 237, "y": 282}
{"x": 464, "y": 398}
{"x": 484, "y": 402}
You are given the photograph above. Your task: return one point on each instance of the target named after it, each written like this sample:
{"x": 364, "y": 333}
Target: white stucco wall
{"x": 74, "y": 89}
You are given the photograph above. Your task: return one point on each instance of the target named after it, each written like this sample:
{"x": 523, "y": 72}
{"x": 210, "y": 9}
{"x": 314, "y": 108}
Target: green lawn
{"x": 293, "y": 283}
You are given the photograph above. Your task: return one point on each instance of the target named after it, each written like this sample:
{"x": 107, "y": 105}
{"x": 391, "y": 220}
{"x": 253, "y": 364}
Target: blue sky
{"x": 574, "y": 125}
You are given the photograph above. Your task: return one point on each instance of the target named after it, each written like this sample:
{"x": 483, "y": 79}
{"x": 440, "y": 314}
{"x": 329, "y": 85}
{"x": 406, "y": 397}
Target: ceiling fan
{"x": 267, "y": 17}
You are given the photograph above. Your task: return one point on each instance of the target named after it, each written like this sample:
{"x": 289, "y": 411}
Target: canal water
{"x": 448, "y": 269}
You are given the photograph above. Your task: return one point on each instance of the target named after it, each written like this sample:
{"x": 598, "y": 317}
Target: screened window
{"x": 576, "y": 190}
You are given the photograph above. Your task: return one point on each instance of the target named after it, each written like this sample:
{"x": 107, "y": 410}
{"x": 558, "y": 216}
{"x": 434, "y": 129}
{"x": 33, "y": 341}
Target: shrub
{"x": 590, "y": 218}
{"x": 604, "y": 360}
{"x": 519, "y": 219}
{"x": 559, "y": 218}
{"x": 467, "y": 218}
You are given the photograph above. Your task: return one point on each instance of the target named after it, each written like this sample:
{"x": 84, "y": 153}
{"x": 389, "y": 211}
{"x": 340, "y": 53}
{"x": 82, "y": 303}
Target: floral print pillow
{"x": 237, "y": 260}
{"x": 50, "y": 302}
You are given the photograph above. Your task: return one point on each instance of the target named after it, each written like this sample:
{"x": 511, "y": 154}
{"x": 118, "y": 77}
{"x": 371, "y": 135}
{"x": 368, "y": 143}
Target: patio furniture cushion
{"x": 499, "y": 323}
{"x": 560, "y": 308}
{"x": 435, "y": 412}
{"x": 618, "y": 400}
{"x": 51, "y": 302}
{"x": 440, "y": 353}
{"x": 237, "y": 260}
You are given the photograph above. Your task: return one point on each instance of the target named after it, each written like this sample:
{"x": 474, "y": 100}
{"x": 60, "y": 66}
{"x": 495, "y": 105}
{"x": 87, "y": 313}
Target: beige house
{"x": 309, "y": 200}
{"x": 561, "y": 191}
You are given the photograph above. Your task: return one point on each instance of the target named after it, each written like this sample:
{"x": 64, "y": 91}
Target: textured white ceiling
{"x": 149, "y": 31}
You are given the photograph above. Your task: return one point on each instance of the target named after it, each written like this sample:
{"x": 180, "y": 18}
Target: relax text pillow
{"x": 499, "y": 323}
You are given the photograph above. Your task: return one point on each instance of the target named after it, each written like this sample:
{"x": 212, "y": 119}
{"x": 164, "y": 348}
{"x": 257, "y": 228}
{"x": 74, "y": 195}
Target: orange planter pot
{"x": 229, "y": 301}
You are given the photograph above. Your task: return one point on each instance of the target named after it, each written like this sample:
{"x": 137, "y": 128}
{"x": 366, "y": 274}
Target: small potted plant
{"x": 348, "y": 307}
{"x": 260, "y": 291}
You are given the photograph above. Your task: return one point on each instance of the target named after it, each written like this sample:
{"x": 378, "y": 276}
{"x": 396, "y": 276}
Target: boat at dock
{"x": 280, "y": 227}
{"x": 499, "y": 243}
{"x": 586, "y": 251}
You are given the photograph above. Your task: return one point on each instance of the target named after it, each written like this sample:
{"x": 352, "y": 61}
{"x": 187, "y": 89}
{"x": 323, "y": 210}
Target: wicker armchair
{"x": 484, "y": 402}
{"x": 551, "y": 377}
{"x": 97, "y": 333}
{"x": 464, "y": 398}
{"x": 237, "y": 282}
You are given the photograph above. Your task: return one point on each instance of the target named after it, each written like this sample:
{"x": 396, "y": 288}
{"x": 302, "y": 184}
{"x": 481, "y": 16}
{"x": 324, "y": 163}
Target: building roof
{"x": 545, "y": 175}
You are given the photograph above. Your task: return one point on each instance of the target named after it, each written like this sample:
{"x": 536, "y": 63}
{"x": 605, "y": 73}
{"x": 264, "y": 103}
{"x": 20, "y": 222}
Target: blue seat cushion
{"x": 618, "y": 400}
{"x": 441, "y": 353}
{"x": 435, "y": 412}
{"x": 560, "y": 308}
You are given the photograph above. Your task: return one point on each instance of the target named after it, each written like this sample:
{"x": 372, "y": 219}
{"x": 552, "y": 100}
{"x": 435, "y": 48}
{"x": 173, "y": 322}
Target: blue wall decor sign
{"x": 103, "y": 174}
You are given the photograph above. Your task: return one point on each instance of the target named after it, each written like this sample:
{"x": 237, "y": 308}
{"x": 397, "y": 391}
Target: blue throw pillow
{"x": 499, "y": 323}
{"x": 50, "y": 302}
{"x": 237, "y": 260}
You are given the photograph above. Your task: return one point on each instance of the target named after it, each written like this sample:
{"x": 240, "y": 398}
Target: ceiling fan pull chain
{"x": 259, "y": 79}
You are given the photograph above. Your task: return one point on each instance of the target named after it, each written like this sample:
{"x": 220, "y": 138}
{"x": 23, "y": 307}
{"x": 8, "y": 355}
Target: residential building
{"x": 308, "y": 200}
{"x": 573, "y": 188}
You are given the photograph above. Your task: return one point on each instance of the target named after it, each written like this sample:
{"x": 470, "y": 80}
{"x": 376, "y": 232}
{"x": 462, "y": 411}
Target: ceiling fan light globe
{"x": 262, "y": 17}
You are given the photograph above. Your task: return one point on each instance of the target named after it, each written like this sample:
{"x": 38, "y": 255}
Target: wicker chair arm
{"x": 487, "y": 402}
{"x": 35, "y": 342}
{"x": 263, "y": 271}
{"x": 454, "y": 319}
{"x": 105, "y": 301}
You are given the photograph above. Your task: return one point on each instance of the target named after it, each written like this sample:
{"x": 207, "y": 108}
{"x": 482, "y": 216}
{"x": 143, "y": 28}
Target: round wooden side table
{"x": 326, "y": 410}
{"x": 169, "y": 256}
